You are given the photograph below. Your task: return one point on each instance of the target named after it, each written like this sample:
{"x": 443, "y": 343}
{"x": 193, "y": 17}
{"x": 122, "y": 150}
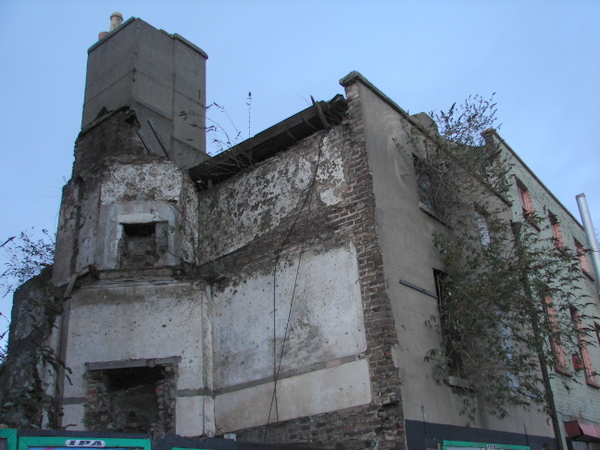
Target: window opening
{"x": 508, "y": 345}
{"x": 142, "y": 244}
{"x": 423, "y": 183}
{"x": 483, "y": 229}
{"x": 555, "y": 343}
{"x": 131, "y": 400}
{"x": 449, "y": 334}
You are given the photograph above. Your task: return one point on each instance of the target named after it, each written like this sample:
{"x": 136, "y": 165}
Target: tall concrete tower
{"x": 159, "y": 76}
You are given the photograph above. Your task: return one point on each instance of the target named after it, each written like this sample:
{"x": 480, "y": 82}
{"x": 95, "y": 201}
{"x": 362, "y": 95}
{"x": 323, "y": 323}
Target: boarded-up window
{"x": 524, "y": 199}
{"x": 584, "y": 354}
{"x": 556, "y": 231}
{"x": 555, "y": 342}
{"x": 583, "y": 261}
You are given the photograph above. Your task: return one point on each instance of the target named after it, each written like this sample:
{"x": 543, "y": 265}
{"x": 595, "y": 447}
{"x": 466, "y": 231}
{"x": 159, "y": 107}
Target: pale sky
{"x": 541, "y": 58}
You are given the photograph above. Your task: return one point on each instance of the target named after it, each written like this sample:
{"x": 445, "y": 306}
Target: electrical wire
{"x": 277, "y": 367}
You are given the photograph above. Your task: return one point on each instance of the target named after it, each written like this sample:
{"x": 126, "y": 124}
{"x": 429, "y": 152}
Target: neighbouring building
{"x": 278, "y": 290}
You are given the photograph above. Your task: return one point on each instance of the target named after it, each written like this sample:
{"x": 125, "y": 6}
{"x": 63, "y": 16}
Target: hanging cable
{"x": 306, "y": 203}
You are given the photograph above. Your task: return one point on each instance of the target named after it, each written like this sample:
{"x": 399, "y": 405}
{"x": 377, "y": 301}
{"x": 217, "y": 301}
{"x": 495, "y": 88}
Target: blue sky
{"x": 541, "y": 58}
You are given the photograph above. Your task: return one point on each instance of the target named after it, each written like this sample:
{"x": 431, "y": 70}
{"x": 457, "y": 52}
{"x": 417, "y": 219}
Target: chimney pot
{"x": 116, "y": 19}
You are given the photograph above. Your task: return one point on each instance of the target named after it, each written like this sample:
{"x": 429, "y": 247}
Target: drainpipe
{"x": 586, "y": 218}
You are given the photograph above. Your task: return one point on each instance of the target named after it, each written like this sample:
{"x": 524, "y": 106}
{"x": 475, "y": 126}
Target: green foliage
{"x": 497, "y": 333}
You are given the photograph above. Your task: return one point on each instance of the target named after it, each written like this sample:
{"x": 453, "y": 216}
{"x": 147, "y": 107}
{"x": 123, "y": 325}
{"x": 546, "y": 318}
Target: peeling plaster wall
{"x": 309, "y": 211}
{"x": 334, "y": 388}
{"x": 311, "y": 205}
{"x": 91, "y": 218}
{"x": 115, "y": 181}
{"x": 256, "y": 202}
{"x": 326, "y": 322}
{"x": 143, "y": 193}
{"x": 157, "y": 181}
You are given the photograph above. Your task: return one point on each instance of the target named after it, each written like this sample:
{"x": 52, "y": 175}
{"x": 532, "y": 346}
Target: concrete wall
{"x": 321, "y": 367}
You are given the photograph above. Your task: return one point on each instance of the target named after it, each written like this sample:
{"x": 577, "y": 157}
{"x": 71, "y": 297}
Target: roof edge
{"x": 174, "y": 36}
{"x": 355, "y": 76}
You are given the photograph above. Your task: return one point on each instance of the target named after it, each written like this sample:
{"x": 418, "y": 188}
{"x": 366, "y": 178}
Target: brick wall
{"x": 114, "y": 134}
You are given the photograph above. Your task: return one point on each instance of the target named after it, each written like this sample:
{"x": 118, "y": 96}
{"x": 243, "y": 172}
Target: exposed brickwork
{"x": 111, "y": 135}
{"x": 142, "y": 406}
{"x": 352, "y": 220}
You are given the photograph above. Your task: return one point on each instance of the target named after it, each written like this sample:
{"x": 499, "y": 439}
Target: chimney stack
{"x": 159, "y": 76}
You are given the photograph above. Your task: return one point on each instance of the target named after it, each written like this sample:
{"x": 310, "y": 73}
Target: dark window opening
{"x": 451, "y": 336}
{"x": 142, "y": 244}
{"x": 131, "y": 400}
{"x": 424, "y": 185}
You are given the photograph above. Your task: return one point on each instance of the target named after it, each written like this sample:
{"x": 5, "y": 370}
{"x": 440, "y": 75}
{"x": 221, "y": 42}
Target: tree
{"x": 506, "y": 291}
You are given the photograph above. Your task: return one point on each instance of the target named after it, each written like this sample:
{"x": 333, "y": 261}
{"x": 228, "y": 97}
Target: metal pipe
{"x": 588, "y": 227}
